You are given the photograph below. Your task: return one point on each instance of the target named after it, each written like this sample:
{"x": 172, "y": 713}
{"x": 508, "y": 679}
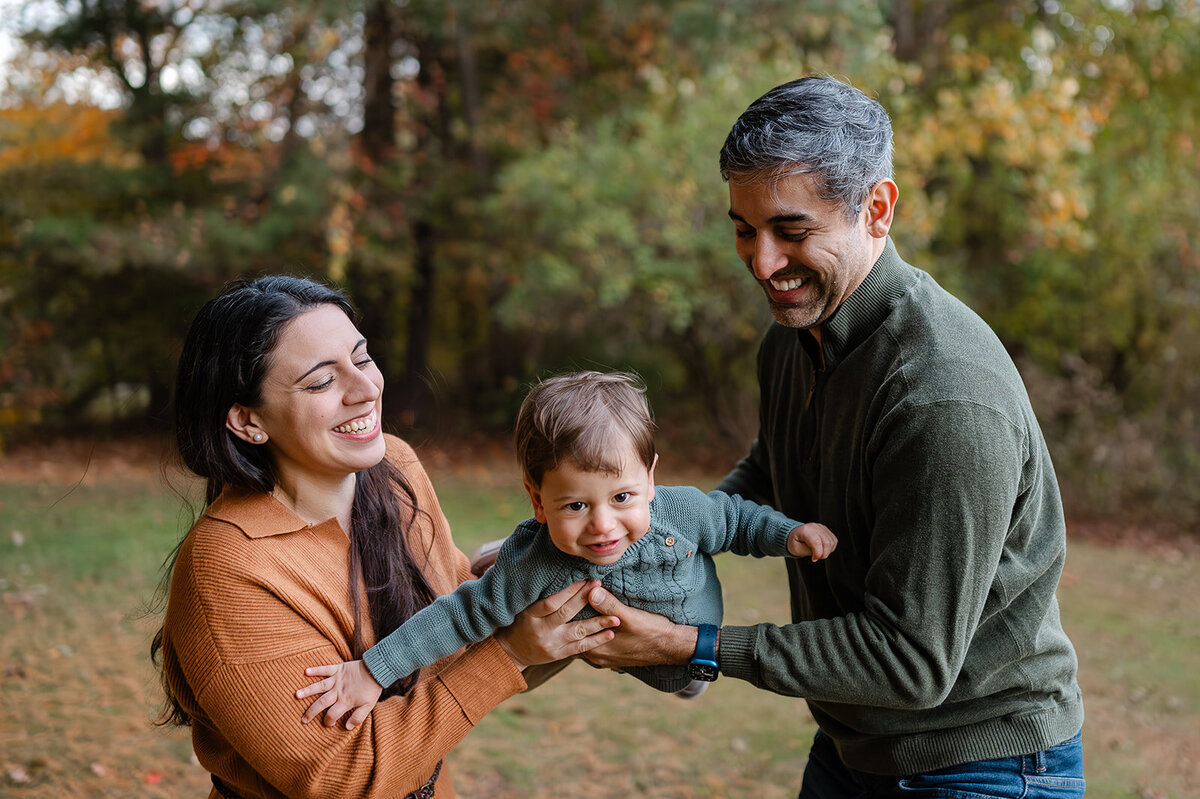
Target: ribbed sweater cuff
{"x": 380, "y": 661}
{"x": 735, "y": 655}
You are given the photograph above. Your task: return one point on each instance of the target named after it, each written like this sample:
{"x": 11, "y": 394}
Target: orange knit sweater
{"x": 257, "y": 595}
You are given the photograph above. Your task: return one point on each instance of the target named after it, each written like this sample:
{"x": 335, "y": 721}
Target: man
{"x": 928, "y": 646}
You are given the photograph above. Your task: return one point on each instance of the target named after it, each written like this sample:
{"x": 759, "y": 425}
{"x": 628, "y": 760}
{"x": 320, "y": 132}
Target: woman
{"x": 321, "y": 535}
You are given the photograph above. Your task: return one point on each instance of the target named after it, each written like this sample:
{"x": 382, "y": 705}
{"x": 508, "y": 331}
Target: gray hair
{"x": 817, "y": 125}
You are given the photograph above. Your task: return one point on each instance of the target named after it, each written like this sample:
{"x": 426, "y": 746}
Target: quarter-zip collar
{"x": 862, "y": 312}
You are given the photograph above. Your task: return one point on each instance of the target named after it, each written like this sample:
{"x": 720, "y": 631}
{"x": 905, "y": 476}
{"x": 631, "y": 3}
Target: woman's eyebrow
{"x": 361, "y": 343}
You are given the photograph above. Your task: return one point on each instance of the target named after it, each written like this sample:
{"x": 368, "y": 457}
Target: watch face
{"x": 702, "y": 671}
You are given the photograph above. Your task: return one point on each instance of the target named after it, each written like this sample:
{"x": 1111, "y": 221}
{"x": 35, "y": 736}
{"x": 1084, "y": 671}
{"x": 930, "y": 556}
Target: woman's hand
{"x": 644, "y": 638}
{"x": 347, "y": 686}
{"x": 544, "y": 632}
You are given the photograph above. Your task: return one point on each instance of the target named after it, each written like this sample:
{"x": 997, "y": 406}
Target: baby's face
{"x": 595, "y": 515}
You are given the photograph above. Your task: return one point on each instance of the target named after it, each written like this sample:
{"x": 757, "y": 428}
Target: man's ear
{"x": 535, "y": 499}
{"x": 880, "y": 206}
{"x": 243, "y": 423}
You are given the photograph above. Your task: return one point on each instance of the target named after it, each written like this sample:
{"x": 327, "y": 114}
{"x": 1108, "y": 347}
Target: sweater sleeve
{"x": 945, "y": 483}
{"x": 731, "y": 524}
{"x": 467, "y": 615}
{"x": 750, "y": 479}
{"x": 244, "y": 700}
{"x": 247, "y": 614}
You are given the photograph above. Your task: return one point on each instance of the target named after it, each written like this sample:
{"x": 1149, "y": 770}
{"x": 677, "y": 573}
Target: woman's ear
{"x": 243, "y": 423}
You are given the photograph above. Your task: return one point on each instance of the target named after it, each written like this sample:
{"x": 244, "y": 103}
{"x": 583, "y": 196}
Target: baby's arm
{"x": 813, "y": 539}
{"x": 347, "y": 687}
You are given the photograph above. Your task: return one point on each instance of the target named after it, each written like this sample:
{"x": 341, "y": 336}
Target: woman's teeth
{"x": 788, "y": 284}
{"x": 357, "y": 426}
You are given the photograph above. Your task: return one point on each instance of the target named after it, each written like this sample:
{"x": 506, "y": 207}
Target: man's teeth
{"x": 788, "y": 284}
{"x": 357, "y": 426}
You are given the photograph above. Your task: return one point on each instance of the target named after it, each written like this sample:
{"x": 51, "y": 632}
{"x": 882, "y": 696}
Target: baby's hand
{"x": 813, "y": 539}
{"x": 347, "y": 686}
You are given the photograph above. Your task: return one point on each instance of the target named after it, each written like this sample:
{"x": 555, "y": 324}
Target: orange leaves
{"x": 33, "y": 134}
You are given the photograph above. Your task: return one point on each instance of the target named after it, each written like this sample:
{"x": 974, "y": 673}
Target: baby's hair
{"x": 590, "y": 418}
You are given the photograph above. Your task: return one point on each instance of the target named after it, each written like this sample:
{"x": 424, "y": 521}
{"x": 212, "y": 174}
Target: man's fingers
{"x": 605, "y": 603}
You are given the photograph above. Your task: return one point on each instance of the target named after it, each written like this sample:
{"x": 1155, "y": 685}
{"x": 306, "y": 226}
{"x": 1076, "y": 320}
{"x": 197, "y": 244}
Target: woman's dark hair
{"x": 225, "y": 357}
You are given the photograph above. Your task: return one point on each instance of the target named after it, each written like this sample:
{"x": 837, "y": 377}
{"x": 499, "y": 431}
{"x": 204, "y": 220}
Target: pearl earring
{"x": 257, "y": 437}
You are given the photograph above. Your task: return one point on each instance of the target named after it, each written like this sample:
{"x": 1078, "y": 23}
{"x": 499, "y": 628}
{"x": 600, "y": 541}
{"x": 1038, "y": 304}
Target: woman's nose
{"x": 363, "y": 389}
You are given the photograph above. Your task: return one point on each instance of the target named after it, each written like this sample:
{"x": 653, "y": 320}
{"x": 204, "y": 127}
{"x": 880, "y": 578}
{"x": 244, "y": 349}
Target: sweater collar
{"x": 258, "y": 515}
{"x": 864, "y": 310}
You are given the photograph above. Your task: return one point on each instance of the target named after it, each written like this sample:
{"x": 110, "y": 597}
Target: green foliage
{"x": 534, "y": 187}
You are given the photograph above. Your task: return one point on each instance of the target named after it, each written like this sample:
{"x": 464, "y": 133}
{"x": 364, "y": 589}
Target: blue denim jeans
{"x": 1056, "y": 773}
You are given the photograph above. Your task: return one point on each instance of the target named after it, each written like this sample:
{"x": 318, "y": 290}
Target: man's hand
{"x": 544, "y": 632}
{"x": 642, "y": 638}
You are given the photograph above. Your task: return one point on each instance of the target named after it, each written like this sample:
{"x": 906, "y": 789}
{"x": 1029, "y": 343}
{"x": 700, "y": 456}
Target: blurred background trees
{"x": 511, "y": 188}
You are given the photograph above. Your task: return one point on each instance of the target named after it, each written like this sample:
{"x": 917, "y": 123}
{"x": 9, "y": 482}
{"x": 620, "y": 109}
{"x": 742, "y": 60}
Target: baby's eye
{"x": 622, "y": 498}
{"x": 574, "y": 506}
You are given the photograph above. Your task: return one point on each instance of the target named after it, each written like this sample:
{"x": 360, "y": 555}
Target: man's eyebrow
{"x": 798, "y": 216}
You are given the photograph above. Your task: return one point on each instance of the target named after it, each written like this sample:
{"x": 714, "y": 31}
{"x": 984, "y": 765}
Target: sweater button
{"x": 670, "y": 541}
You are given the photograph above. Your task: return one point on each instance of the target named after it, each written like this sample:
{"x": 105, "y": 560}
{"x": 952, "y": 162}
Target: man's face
{"x": 804, "y": 252}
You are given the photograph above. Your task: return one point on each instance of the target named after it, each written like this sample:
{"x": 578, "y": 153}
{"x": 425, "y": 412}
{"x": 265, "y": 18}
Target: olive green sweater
{"x": 931, "y": 637}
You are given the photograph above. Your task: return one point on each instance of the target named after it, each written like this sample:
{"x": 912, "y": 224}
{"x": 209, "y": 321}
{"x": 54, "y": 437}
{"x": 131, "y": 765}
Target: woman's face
{"x": 321, "y": 400}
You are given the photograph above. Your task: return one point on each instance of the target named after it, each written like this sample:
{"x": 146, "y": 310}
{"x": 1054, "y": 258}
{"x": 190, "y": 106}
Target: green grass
{"x": 77, "y": 692}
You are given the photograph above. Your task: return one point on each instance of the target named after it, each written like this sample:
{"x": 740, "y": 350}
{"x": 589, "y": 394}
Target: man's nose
{"x": 768, "y": 257}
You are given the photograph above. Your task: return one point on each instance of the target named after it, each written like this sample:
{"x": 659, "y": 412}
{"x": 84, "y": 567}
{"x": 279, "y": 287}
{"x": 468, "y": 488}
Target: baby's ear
{"x": 535, "y": 499}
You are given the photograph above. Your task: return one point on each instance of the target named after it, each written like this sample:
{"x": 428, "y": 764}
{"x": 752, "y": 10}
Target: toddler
{"x": 585, "y": 442}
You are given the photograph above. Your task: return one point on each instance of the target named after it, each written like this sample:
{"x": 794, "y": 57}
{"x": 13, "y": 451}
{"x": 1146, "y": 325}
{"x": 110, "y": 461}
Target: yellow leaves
{"x": 36, "y": 134}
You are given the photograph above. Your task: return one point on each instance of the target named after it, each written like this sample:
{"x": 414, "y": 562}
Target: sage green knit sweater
{"x": 931, "y": 637}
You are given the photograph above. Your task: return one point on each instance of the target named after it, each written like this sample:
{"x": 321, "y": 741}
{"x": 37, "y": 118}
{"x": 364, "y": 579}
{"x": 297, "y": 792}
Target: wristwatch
{"x": 703, "y": 665}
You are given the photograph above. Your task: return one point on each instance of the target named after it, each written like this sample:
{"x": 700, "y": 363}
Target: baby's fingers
{"x": 327, "y": 670}
{"x": 359, "y": 715}
{"x": 318, "y": 687}
{"x": 322, "y": 702}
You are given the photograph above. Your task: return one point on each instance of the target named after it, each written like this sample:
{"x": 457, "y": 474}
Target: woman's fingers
{"x": 564, "y": 604}
{"x": 592, "y": 633}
